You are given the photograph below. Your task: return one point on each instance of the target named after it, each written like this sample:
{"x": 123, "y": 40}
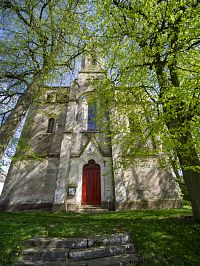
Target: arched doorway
{"x": 91, "y": 184}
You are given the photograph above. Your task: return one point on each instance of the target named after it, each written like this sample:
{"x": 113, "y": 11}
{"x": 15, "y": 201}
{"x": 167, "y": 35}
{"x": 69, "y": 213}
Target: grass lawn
{"x": 162, "y": 237}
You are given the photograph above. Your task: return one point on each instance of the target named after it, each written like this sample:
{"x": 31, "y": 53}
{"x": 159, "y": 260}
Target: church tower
{"x": 67, "y": 160}
{"x": 85, "y": 155}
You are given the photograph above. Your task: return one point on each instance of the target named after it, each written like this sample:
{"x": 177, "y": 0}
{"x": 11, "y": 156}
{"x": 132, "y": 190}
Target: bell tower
{"x": 85, "y": 174}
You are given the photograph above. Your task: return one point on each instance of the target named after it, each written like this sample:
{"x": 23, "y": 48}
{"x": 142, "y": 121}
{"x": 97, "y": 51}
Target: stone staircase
{"x": 113, "y": 250}
{"x": 91, "y": 209}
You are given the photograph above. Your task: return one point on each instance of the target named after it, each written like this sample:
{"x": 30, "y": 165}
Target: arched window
{"x": 92, "y": 117}
{"x": 51, "y": 125}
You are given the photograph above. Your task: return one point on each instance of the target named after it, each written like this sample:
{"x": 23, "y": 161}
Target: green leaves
{"x": 41, "y": 39}
{"x": 148, "y": 48}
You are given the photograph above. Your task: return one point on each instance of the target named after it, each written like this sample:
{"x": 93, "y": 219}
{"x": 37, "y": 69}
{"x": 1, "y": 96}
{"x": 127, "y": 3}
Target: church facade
{"x": 74, "y": 164}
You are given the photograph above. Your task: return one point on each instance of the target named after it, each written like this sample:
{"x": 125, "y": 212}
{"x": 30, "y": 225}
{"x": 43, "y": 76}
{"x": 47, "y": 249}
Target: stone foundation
{"x": 27, "y": 207}
{"x": 119, "y": 206}
{"x": 58, "y": 207}
{"x": 104, "y": 205}
{"x": 149, "y": 204}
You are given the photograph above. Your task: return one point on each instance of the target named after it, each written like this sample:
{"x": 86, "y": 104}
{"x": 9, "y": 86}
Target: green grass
{"x": 162, "y": 237}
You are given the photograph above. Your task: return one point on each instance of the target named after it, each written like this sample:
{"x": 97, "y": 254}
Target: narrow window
{"x": 51, "y": 125}
{"x": 94, "y": 59}
{"x": 49, "y": 98}
{"x": 92, "y": 117}
{"x": 83, "y": 61}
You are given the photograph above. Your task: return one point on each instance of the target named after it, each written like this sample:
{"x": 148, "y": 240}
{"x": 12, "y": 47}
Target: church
{"x": 66, "y": 162}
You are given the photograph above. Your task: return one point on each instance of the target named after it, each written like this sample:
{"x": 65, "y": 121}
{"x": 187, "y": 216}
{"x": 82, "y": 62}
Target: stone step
{"x": 78, "y": 242}
{"x": 110, "y": 250}
{"x": 99, "y": 252}
{"x": 60, "y": 254}
{"x": 121, "y": 260}
{"x": 51, "y": 263}
{"x": 108, "y": 240}
{"x": 92, "y": 210}
{"x": 50, "y": 242}
{"x": 90, "y": 206}
{"x": 51, "y": 254}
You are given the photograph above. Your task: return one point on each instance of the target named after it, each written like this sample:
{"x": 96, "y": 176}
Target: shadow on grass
{"x": 161, "y": 237}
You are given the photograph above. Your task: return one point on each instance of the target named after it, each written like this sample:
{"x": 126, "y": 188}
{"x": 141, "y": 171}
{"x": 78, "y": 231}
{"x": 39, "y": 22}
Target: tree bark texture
{"x": 190, "y": 166}
{"x": 177, "y": 119}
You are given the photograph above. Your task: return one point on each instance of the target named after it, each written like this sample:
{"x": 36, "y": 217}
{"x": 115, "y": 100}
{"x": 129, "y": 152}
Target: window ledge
{"x": 91, "y": 131}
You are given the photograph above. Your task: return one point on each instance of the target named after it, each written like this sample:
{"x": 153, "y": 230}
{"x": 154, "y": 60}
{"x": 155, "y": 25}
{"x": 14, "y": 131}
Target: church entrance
{"x": 91, "y": 184}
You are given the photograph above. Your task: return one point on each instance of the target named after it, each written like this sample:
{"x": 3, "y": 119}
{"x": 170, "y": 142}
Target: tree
{"x": 38, "y": 38}
{"x": 153, "y": 48}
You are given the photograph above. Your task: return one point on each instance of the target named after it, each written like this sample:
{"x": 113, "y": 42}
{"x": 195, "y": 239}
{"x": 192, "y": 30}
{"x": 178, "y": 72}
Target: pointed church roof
{"x": 91, "y": 62}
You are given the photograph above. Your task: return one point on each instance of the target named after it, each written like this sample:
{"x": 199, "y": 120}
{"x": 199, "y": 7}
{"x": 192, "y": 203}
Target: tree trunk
{"x": 179, "y": 127}
{"x": 190, "y": 166}
{"x": 17, "y": 114}
{"x": 192, "y": 181}
{"x": 178, "y": 122}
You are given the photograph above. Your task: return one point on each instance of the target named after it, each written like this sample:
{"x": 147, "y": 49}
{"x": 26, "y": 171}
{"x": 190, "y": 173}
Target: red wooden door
{"x": 91, "y": 184}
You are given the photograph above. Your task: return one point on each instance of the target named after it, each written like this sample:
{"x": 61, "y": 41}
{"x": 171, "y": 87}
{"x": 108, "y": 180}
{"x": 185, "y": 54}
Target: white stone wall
{"x": 25, "y": 182}
{"x": 1, "y": 186}
{"x": 31, "y": 180}
{"x": 144, "y": 184}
